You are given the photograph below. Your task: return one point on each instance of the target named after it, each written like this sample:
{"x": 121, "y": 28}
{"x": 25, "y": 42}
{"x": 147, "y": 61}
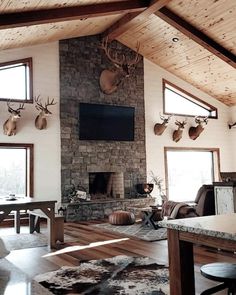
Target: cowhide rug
{"x": 117, "y": 275}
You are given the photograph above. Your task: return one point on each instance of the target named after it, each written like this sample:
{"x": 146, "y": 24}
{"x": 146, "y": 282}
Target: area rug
{"x": 113, "y": 276}
{"x": 24, "y": 241}
{"x": 137, "y": 230}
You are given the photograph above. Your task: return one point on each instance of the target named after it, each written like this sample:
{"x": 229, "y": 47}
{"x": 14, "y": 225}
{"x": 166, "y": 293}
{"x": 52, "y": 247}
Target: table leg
{"x": 34, "y": 223}
{"x": 181, "y": 265}
{"x": 148, "y": 219}
{"x": 17, "y": 221}
{"x": 50, "y": 212}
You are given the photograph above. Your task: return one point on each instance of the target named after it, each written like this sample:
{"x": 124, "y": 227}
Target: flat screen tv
{"x": 106, "y": 122}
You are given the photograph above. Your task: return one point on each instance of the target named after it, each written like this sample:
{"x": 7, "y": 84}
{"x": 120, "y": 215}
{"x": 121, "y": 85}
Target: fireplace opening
{"x": 106, "y": 185}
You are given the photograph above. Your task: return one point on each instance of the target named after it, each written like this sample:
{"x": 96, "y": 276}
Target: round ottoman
{"x": 121, "y": 218}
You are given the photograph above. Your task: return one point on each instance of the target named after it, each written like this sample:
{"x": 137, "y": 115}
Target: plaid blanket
{"x": 177, "y": 210}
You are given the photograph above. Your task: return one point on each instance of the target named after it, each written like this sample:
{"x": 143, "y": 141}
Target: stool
{"x": 220, "y": 272}
{"x": 121, "y": 218}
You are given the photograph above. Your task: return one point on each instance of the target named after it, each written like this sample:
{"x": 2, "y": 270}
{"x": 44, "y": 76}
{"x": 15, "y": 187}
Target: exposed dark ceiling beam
{"x": 130, "y": 20}
{"x": 196, "y": 35}
{"x": 36, "y": 17}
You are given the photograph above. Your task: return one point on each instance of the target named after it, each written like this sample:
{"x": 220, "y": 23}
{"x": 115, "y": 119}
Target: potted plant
{"x": 158, "y": 181}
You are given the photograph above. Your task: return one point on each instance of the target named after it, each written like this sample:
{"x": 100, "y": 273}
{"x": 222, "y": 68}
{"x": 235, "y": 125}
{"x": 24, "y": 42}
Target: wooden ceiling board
{"x": 32, "y": 35}
{"x": 185, "y": 59}
{"x": 217, "y": 19}
{"x": 7, "y": 6}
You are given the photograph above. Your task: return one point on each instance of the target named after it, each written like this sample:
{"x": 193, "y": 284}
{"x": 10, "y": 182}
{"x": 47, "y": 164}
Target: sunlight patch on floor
{"x": 91, "y": 245}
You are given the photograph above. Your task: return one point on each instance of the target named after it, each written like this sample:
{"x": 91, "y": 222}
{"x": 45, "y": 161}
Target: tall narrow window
{"x": 16, "y": 80}
{"x": 179, "y": 102}
{"x": 16, "y": 170}
{"x": 188, "y": 169}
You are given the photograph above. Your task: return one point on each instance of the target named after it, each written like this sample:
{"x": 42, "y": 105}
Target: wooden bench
{"x": 34, "y": 224}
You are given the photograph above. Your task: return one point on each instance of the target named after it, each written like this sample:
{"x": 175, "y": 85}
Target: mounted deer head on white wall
{"x": 9, "y": 127}
{"x": 194, "y": 132}
{"x": 159, "y": 128}
{"x": 111, "y": 79}
{"x": 177, "y": 134}
{"x": 41, "y": 121}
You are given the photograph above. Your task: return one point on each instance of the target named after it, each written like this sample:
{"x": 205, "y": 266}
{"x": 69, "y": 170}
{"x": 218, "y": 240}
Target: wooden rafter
{"x": 43, "y": 16}
{"x": 130, "y": 20}
{"x": 196, "y": 35}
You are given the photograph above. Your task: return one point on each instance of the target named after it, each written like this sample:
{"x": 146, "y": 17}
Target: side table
{"x": 149, "y": 214}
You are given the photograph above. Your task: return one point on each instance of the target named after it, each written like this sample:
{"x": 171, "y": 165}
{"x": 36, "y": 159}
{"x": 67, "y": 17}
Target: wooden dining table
{"x": 47, "y": 207}
{"x": 218, "y": 231}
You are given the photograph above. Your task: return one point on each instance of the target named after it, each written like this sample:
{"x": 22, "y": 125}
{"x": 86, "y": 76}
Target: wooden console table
{"x": 47, "y": 207}
{"x": 216, "y": 231}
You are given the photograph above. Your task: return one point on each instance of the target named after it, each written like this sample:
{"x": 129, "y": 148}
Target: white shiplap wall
{"x": 47, "y": 161}
{"x": 215, "y": 135}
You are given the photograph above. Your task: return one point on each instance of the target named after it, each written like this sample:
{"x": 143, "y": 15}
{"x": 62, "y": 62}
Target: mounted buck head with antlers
{"x": 41, "y": 121}
{"x": 111, "y": 79}
{"x": 194, "y": 132}
{"x": 159, "y": 128}
{"x": 177, "y": 134}
{"x": 9, "y": 127}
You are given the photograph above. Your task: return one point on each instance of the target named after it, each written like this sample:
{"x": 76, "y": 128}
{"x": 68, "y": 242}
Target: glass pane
{"x": 177, "y": 104}
{"x": 187, "y": 172}
{"x": 13, "y": 76}
{"x": 12, "y": 172}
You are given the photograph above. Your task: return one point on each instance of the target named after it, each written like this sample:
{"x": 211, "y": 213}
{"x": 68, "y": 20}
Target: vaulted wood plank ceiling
{"x": 204, "y": 55}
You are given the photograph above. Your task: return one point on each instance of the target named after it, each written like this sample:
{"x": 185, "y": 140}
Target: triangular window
{"x": 179, "y": 102}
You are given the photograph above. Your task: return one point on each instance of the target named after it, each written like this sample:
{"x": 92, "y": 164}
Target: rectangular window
{"x": 16, "y": 80}
{"x": 179, "y": 102}
{"x": 187, "y": 170}
{"x": 16, "y": 170}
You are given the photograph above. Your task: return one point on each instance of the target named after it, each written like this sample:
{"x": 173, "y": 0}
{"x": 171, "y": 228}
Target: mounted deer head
{"x": 194, "y": 132}
{"x": 111, "y": 79}
{"x": 41, "y": 121}
{"x": 159, "y": 128}
{"x": 177, "y": 134}
{"x": 9, "y": 127}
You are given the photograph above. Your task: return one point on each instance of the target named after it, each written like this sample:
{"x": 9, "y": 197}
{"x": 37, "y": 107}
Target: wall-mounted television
{"x": 106, "y": 122}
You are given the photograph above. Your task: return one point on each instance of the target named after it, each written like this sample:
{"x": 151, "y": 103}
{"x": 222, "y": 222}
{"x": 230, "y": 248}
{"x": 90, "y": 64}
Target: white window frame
{"x": 210, "y": 110}
{"x": 29, "y": 149}
{"x": 27, "y": 63}
{"x": 215, "y": 160}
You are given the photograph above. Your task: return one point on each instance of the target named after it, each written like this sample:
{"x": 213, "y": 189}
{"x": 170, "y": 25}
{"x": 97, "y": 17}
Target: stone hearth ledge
{"x": 100, "y": 209}
{"x": 219, "y": 226}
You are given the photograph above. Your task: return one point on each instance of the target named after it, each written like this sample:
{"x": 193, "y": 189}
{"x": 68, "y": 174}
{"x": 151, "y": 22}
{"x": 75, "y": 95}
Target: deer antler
{"x": 21, "y": 107}
{"x": 39, "y": 105}
{"x": 49, "y": 103}
{"x": 181, "y": 124}
{"x": 135, "y": 60}
{"x": 10, "y": 109}
{"x": 198, "y": 120}
{"x": 107, "y": 50}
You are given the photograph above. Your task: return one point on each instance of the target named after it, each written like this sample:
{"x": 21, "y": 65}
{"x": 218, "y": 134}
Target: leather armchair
{"x": 203, "y": 205}
{"x": 205, "y": 200}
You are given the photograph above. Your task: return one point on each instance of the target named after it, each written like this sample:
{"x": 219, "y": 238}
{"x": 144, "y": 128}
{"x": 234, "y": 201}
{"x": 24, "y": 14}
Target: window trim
{"x": 165, "y": 82}
{"x": 29, "y": 63}
{"x": 216, "y": 161}
{"x": 29, "y": 164}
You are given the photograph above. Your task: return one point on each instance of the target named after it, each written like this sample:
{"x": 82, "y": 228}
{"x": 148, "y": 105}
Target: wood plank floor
{"x": 95, "y": 243}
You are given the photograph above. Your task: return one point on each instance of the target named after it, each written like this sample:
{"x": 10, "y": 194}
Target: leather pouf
{"x": 121, "y": 218}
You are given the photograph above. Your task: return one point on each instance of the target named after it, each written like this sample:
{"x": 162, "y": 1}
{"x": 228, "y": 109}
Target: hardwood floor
{"x": 95, "y": 243}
